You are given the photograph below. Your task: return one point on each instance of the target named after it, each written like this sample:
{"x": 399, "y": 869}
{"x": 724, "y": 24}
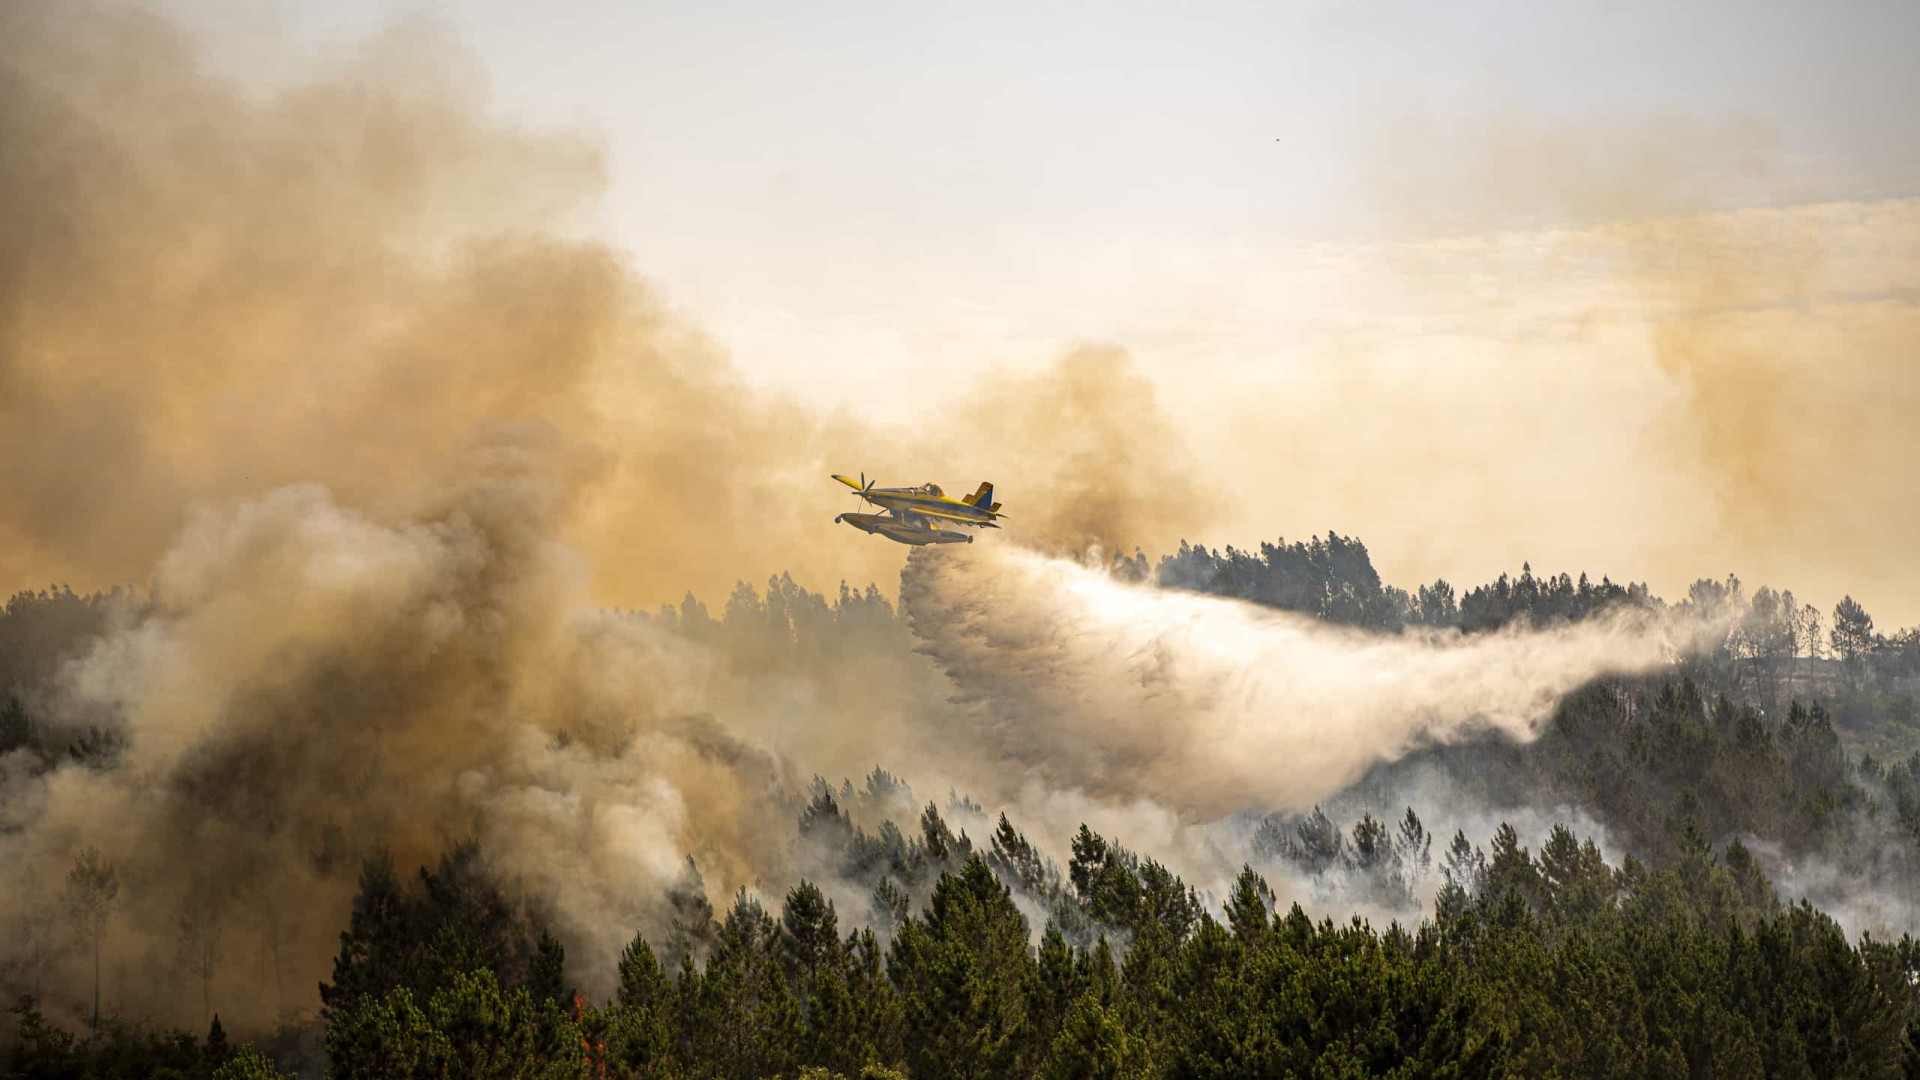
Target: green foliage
{"x": 1679, "y": 961}
{"x": 961, "y": 974}
{"x": 1250, "y": 905}
{"x": 809, "y": 935}
{"x": 1094, "y": 1045}
{"x": 1852, "y": 635}
{"x": 41, "y": 631}
{"x": 547, "y": 970}
{"x": 249, "y": 1064}
{"x": 640, "y": 1035}
{"x": 739, "y": 1017}
{"x": 1555, "y": 965}
{"x": 216, "y": 1050}
{"x": 456, "y": 920}
{"x": 17, "y": 729}
{"x": 1330, "y": 578}
{"x": 470, "y": 1028}
{"x": 36, "y": 1048}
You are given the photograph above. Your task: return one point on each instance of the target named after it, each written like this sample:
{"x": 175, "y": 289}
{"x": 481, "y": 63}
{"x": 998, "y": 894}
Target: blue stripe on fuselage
{"x": 949, "y": 505}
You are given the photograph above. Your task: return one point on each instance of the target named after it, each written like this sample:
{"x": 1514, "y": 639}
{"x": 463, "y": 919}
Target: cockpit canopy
{"x": 932, "y": 488}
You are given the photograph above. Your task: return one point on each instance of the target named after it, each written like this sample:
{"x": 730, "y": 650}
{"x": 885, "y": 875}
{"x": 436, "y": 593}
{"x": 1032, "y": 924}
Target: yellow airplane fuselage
{"x": 928, "y": 499}
{"x": 915, "y": 515}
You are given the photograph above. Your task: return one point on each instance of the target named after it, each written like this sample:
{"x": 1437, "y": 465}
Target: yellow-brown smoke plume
{"x": 322, "y": 374}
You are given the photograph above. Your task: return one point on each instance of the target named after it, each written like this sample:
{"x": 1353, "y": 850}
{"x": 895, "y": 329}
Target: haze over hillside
{"x": 427, "y": 616}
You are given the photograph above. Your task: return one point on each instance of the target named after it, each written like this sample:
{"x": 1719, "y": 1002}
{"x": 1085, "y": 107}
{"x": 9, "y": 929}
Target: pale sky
{"x": 1317, "y": 227}
{"x": 838, "y": 189}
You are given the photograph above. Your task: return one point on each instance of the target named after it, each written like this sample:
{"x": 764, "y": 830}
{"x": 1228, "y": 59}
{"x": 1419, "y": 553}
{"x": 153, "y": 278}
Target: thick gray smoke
{"x": 1209, "y": 705}
{"x": 312, "y": 686}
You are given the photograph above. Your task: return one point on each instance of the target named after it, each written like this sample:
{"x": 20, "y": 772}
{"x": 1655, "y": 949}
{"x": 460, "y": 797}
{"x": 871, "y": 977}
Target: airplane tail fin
{"x": 983, "y": 496}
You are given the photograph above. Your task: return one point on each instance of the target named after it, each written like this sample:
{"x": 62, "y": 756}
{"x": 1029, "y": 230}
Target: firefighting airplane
{"x": 914, "y": 514}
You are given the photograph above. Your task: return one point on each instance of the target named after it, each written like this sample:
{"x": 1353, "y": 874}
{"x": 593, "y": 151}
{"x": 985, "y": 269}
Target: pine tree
{"x": 199, "y": 928}
{"x": 1050, "y": 990}
{"x": 1465, "y": 867}
{"x": 17, "y": 730}
{"x": 643, "y": 983}
{"x": 1852, "y": 635}
{"x": 891, "y": 905}
{"x": 1415, "y": 845}
{"x": 1249, "y": 906}
{"x": 1094, "y": 1045}
{"x": 810, "y": 934}
{"x": 547, "y": 973}
{"x": 92, "y": 887}
{"x": 642, "y": 1036}
{"x": 1510, "y": 868}
{"x": 1575, "y": 880}
{"x": 1089, "y": 856}
{"x": 693, "y": 929}
{"x": 1014, "y": 858}
{"x": 216, "y": 1051}
{"x": 370, "y": 958}
{"x": 962, "y": 977}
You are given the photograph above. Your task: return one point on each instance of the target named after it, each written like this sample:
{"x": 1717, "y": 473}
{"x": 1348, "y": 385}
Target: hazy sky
{"x": 841, "y": 189}
{"x": 1451, "y": 277}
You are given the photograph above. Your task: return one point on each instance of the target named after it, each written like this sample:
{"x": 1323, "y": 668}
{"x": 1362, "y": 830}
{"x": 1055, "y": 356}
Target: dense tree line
{"x": 1333, "y": 578}
{"x": 1777, "y": 650}
{"x": 1645, "y": 756}
{"x": 984, "y": 956}
{"x": 1558, "y": 964}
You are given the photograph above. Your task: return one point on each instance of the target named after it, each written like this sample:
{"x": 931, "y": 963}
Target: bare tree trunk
{"x": 270, "y": 974}
{"x": 96, "y": 984}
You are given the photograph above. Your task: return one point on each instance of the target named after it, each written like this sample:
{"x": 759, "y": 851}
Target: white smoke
{"x": 1208, "y": 705}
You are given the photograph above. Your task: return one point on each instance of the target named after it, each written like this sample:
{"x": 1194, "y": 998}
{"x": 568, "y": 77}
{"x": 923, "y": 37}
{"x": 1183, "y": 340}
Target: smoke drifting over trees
{"x": 315, "y": 373}
{"x": 373, "y": 448}
{"x": 1194, "y": 702}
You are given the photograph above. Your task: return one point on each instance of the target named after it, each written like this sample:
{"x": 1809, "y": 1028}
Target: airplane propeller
{"x": 866, "y": 486}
